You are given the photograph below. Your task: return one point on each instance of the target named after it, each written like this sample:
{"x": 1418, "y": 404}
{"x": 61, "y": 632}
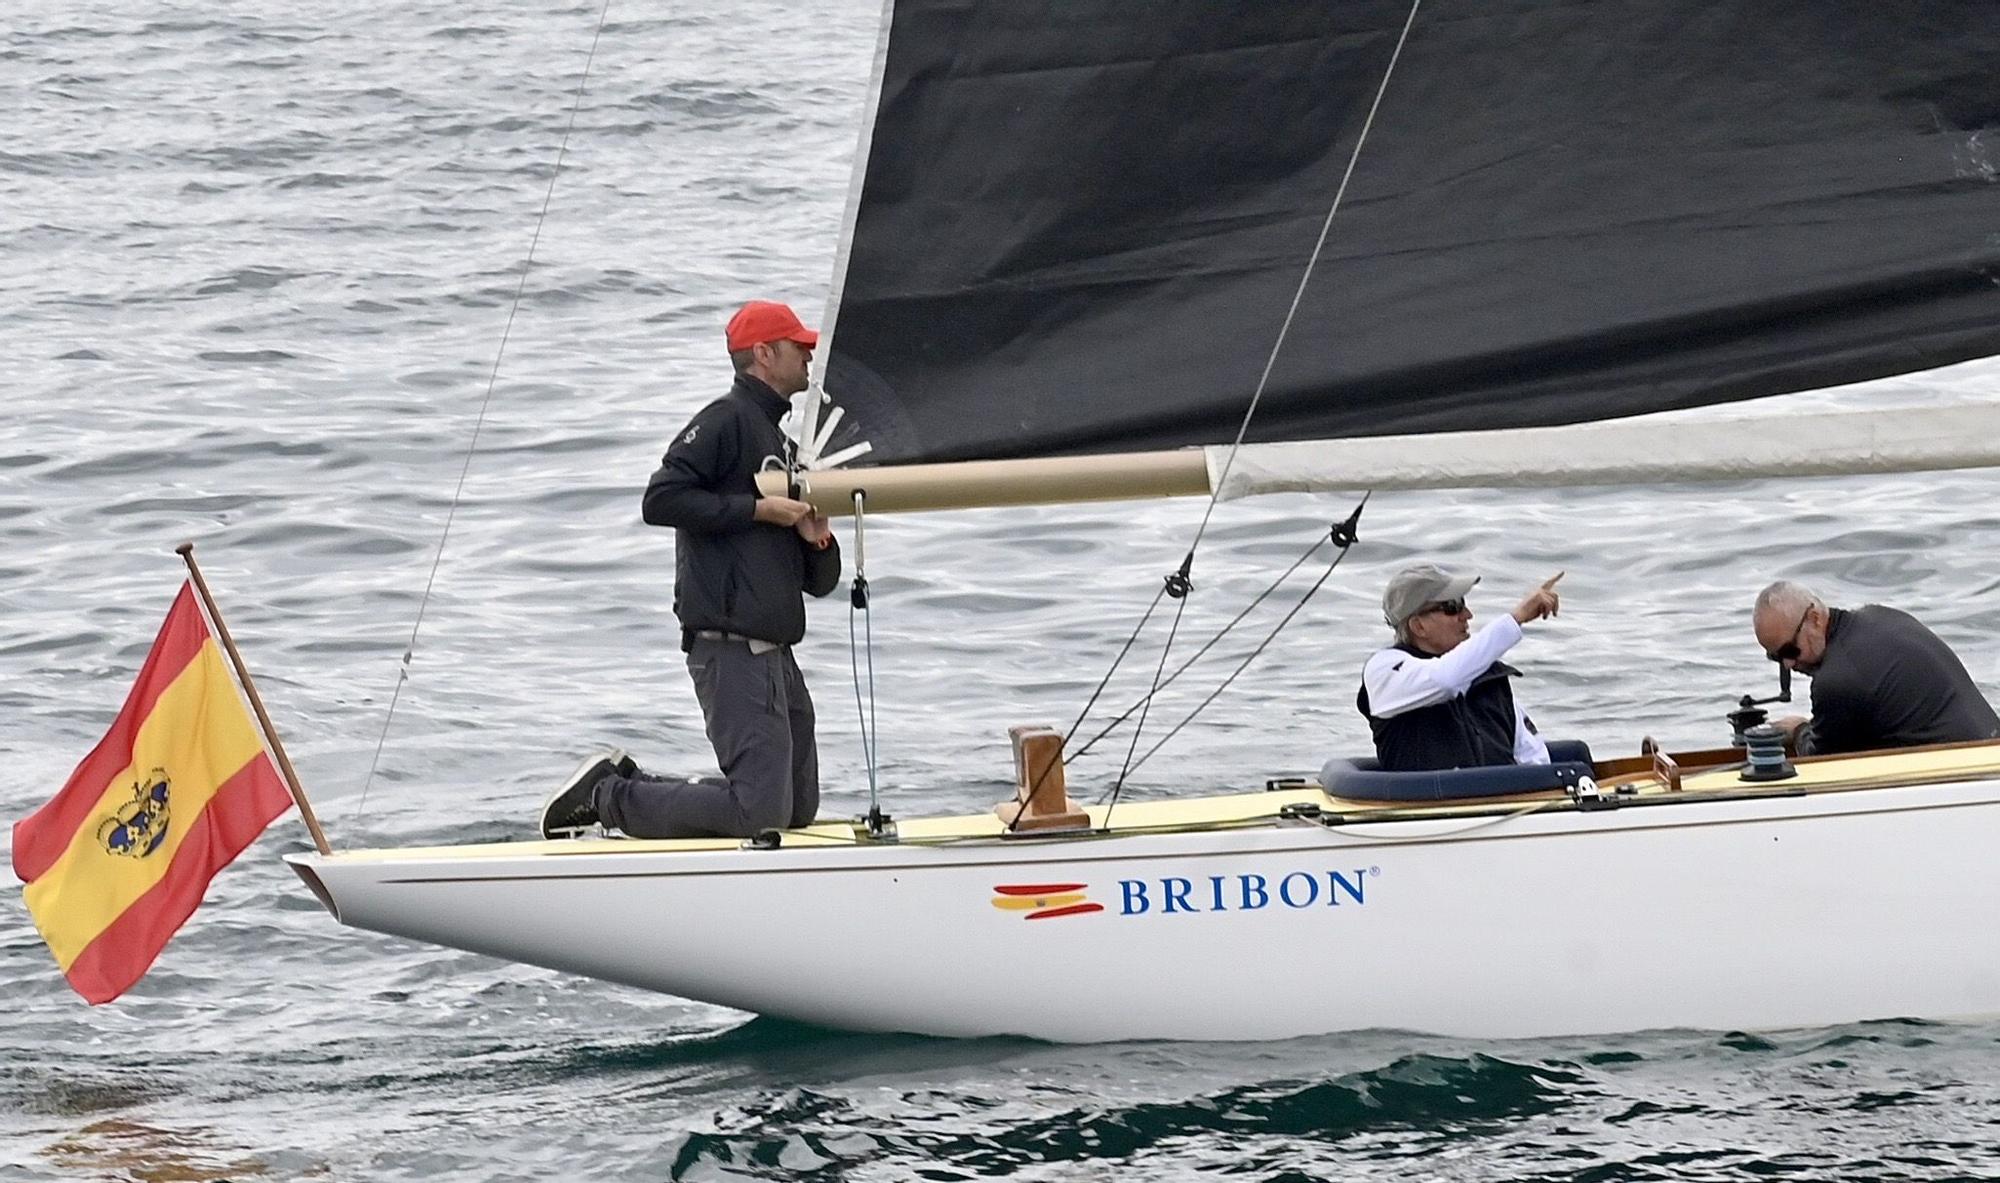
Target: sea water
{"x": 258, "y": 262}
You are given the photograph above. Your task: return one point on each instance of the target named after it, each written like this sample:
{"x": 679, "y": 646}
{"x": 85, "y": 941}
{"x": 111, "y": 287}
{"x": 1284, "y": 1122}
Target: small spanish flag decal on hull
{"x": 1044, "y": 901}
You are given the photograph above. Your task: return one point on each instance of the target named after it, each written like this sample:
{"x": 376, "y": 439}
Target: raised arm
{"x": 1398, "y": 682}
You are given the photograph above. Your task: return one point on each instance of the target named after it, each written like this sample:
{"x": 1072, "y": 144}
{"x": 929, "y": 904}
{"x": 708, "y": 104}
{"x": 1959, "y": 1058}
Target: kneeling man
{"x": 1440, "y": 697}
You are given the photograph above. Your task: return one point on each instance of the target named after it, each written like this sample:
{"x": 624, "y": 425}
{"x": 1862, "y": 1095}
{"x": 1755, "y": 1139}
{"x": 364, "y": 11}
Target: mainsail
{"x": 1079, "y": 225}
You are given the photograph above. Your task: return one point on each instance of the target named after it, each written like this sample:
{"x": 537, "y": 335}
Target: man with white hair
{"x": 1440, "y": 697}
{"x": 1880, "y": 678}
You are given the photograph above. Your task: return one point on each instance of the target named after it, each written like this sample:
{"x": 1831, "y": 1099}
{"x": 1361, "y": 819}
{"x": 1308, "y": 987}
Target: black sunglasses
{"x": 1448, "y": 607}
{"x": 1789, "y": 651}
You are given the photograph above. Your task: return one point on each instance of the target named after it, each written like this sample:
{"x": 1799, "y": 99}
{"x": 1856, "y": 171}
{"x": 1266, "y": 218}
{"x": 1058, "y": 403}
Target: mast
{"x": 809, "y": 430}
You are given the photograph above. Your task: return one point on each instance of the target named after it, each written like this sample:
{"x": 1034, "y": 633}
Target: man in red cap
{"x": 741, "y": 562}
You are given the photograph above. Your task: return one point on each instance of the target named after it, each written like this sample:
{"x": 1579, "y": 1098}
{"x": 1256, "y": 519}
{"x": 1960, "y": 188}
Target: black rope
{"x": 858, "y": 603}
{"x": 1139, "y": 728}
{"x": 858, "y": 606}
{"x": 1115, "y": 662}
{"x": 1245, "y": 663}
{"x": 1342, "y": 535}
{"x": 1220, "y": 479}
{"x": 1042, "y": 777}
{"x": 1203, "y": 651}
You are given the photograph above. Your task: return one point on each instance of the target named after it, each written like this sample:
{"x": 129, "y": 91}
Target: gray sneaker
{"x": 572, "y": 808}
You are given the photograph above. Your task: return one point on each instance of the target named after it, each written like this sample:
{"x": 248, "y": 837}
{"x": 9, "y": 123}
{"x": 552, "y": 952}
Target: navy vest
{"x": 1473, "y": 730}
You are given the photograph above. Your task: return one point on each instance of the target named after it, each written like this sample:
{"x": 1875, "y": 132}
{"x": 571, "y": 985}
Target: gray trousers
{"x": 760, "y": 722}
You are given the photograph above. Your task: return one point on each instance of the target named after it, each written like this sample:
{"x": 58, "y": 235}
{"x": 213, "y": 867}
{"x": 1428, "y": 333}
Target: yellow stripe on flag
{"x": 1028, "y": 903}
{"x": 199, "y": 735}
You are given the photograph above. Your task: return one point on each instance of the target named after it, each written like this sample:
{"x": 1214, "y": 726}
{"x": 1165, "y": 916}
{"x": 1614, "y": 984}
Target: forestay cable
{"x": 1264, "y": 379}
{"x": 493, "y": 379}
{"x": 1298, "y": 294}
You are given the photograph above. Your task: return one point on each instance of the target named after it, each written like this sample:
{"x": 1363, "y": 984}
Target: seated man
{"x": 1880, "y": 678}
{"x": 1440, "y": 697}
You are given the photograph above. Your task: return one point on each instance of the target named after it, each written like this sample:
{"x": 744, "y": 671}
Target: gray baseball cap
{"x": 1413, "y": 587}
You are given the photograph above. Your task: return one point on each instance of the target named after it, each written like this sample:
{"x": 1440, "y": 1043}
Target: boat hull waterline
{"x": 1767, "y": 912}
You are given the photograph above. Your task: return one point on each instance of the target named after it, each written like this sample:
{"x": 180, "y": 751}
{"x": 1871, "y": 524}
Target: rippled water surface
{"x": 258, "y": 260}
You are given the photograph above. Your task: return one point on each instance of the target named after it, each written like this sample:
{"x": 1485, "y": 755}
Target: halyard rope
{"x": 1298, "y": 294}
{"x": 860, "y": 603}
{"x": 1263, "y": 380}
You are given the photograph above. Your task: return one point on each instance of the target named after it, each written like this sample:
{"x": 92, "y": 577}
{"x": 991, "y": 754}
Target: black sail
{"x": 1081, "y": 222}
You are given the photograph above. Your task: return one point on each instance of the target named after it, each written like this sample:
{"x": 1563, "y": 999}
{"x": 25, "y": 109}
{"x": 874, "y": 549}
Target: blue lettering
{"x": 1297, "y": 889}
{"x": 1285, "y": 890}
{"x": 1337, "y": 883}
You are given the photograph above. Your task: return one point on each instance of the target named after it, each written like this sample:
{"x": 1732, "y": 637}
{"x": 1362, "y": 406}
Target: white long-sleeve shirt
{"x": 1398, "y": 682}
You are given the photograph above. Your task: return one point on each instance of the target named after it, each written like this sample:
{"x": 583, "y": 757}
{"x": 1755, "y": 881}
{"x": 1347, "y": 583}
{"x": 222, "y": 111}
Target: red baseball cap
{"x": 762, "y": 321}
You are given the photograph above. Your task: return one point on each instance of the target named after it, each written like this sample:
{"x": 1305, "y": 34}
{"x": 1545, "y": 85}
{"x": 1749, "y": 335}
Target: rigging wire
{"x": 1342, "y": 535}
{"x": 1203, "y": 651}
{"x": 1245, "y": 663}
{"x": 859, "y": 604}
{"x": 1048, "y": 769}
{"x": 1139, "y": 728}
{"x": 1298, "y": 293}
{"x": 866, "y": 710}
{"x": 1115, "y": 663}
{"x": 472, "y": 447}
{"x": 1263, "y": 380}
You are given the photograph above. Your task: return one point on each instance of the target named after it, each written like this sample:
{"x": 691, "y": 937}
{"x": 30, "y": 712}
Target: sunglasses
{"x": 1789, "y": 651}
{"x": 1448, "y": 607}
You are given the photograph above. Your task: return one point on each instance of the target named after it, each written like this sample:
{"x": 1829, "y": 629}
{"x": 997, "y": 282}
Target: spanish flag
{"x": 119, "y": 859}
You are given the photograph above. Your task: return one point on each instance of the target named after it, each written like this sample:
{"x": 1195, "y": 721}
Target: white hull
{"x": 1771, "y": 912}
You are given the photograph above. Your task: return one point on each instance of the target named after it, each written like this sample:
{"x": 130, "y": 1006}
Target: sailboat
{"x": 1438, "y": 245}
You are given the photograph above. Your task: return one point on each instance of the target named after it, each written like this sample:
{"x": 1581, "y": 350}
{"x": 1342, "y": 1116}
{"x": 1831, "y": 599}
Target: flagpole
{"x": 186, "y": 551}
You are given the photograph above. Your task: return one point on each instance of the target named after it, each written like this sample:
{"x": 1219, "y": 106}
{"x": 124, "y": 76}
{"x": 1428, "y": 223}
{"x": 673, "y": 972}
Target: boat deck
{"x": 1703, "y": 776}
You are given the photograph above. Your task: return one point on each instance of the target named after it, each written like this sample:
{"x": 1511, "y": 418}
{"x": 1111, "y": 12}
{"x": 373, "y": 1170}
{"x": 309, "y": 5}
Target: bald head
{"x": 1790, "y": 623}
{"x": 1784, "y": 599}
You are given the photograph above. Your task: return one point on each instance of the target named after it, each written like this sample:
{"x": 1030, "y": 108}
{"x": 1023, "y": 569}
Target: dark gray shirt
{"x": 1888, "y": 682}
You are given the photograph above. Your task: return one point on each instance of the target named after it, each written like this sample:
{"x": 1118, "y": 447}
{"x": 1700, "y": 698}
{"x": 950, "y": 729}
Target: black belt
{"x": 757, "y": 644}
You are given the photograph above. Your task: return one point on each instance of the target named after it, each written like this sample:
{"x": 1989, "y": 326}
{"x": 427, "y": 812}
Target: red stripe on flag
{"x": 1072, "y": 910}
{"x": 1039, "y": 888}
{"x": 42, "y": 837}
{"x": 239, "y": 811}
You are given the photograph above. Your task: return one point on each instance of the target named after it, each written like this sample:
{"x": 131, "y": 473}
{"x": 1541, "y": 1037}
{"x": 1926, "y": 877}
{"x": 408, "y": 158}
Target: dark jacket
{"x": 1473, "y": 730}
{"x": 731, "y": 572}
{"x": 1886, "y": 681}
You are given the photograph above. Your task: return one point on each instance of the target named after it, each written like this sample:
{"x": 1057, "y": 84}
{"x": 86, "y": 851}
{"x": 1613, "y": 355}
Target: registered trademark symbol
{"x": 1374, "y": 870}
